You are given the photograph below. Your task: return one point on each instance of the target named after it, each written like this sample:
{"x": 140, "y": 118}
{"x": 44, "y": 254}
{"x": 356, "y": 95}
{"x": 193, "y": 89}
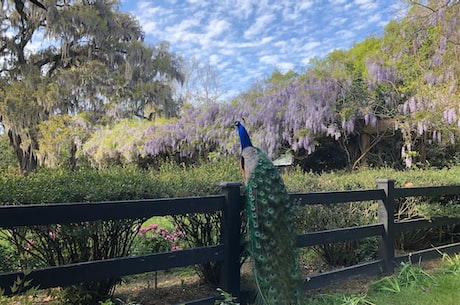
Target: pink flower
{"x": 174, "y": 247}
{"x": 143, "y": 230}
{"x": 29, "y": 244}
{"x": 153, "y": 226}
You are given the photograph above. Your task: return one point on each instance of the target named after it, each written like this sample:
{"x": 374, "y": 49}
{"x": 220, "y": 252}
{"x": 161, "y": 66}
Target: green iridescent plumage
{"x": 272, "y": 237}
{"x": 270, "y": 225}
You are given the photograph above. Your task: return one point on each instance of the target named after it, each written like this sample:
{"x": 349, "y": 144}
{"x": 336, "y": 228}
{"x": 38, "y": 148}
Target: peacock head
{"x": 244, "y": 136}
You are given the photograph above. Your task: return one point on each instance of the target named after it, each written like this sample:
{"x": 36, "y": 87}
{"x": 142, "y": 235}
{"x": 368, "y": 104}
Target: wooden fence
{"x": 230, "y": 204}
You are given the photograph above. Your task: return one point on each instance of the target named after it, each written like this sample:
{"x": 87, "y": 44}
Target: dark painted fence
{"x": 230, "y": 204}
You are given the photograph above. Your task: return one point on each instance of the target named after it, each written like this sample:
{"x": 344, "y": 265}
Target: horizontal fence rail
{"x": 417, "y": 224}
{"x": 429, "y": 191}
{"x": 338, "y": 235}
{"x": 115, "y": 267}
{"x": 44, "y": 214}
{"x": 337, "y": 197}
{"x": 230, "y": 204}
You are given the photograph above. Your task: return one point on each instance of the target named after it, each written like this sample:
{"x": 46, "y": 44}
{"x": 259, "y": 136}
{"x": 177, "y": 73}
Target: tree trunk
{"x": 26, "y": 157}
{"x": 422, "y": 149}
{"x": 73, "y": 155}
{"x": 365, "y": 144}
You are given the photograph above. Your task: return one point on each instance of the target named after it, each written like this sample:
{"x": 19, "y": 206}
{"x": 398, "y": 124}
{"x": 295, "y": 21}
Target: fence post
{"x": 230, "y": 230}
{"x": 386, "y": 217}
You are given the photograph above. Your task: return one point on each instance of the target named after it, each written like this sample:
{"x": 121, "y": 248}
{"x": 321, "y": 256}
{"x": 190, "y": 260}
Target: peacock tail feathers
{"x": 271, "y": 231}
{"x": 270, "y": 226}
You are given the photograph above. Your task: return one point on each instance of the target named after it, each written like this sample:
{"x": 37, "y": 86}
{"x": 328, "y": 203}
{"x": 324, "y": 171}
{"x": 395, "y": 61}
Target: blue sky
{"x": 246, "y": 40}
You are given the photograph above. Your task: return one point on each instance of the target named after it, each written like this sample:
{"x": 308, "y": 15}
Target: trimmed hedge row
{"x": 170, "y": 180}
{"x": 173, "y": 180}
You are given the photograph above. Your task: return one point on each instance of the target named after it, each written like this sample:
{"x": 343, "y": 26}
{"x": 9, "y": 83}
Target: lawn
{"x": 411, "y": 285}
{"x": 445, "y": 291}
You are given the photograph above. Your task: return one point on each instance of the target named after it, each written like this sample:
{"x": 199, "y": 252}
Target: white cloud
{"x": 259, "y": 26}
{"x": 338, "y": 21}
{"x": 311, "y": 45}
{"x": 375, "y": 18}
{"x": 214, "y": 60}
{"x": 247, "y": 39}
{"x": 285, "y": 66}
{"x": 345, "y": 34}
{"x": 216, "y": 27}
{"x": 304, "y": 5}
{"x": 366, "y": 4}
{"x": 337, "y": 2}
{"x": 269, "y": 59}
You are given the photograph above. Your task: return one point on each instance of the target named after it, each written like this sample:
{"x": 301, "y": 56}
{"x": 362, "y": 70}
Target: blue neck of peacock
{"x": 244, "y": 137}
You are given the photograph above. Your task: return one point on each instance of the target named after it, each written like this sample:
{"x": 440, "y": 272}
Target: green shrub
{"x": 54, "y": 245}
{"x": 325, "y": 217}
{"x": 7, "y": 257}
{"x": 154, "y": 238}
{"x": 200, "y": 229}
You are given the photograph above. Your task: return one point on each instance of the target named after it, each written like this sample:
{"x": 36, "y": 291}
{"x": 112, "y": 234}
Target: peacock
{"x": 270, "y": 226}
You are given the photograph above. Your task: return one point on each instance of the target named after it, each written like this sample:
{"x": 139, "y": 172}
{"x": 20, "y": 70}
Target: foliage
{"x": 203, "y": 230}
{"x": 450, "y": 264}
{"x": 116, "y": 183}
{"x": 324, "y": 217}
{"x": 21, "y": 292}
{"x": 386, "y": 98}
{"x": 408, "y": 276}
{"x": 55, "y": 245}
{"x": 60, "y": 138}
{"x": 8, "y": 161}
{"x": 411, "y": 285}
{"x": 91, "y": 61}
{"x": 190, "y": 137}
{"x": 117, "y": 301}
{"x": 228, "y": 299}
{"x": 153, "y": 239}
{"x": 447, "y": 207}
{"x": 7, "y": 256}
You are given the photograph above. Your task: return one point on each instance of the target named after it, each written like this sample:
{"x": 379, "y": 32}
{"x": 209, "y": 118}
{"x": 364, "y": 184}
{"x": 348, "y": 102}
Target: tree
{"x": 202, "y": 83}
{"x": 8, "y": 160}
{"x": 92, "y": 60}
{"x": 424, "y": 47}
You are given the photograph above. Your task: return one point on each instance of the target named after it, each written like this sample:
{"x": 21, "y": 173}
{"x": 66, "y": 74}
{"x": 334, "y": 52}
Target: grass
{"x": 411, "y": 285}
{"x": 446, "y": 291}
{"x": 162, "y": 221}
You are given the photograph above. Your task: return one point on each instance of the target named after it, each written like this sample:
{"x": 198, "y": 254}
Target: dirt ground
{"x": 174, "y": 288}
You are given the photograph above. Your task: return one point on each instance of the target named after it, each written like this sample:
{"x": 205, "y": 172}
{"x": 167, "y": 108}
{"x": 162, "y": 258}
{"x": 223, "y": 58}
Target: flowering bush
{"x": 154, "y": 238}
